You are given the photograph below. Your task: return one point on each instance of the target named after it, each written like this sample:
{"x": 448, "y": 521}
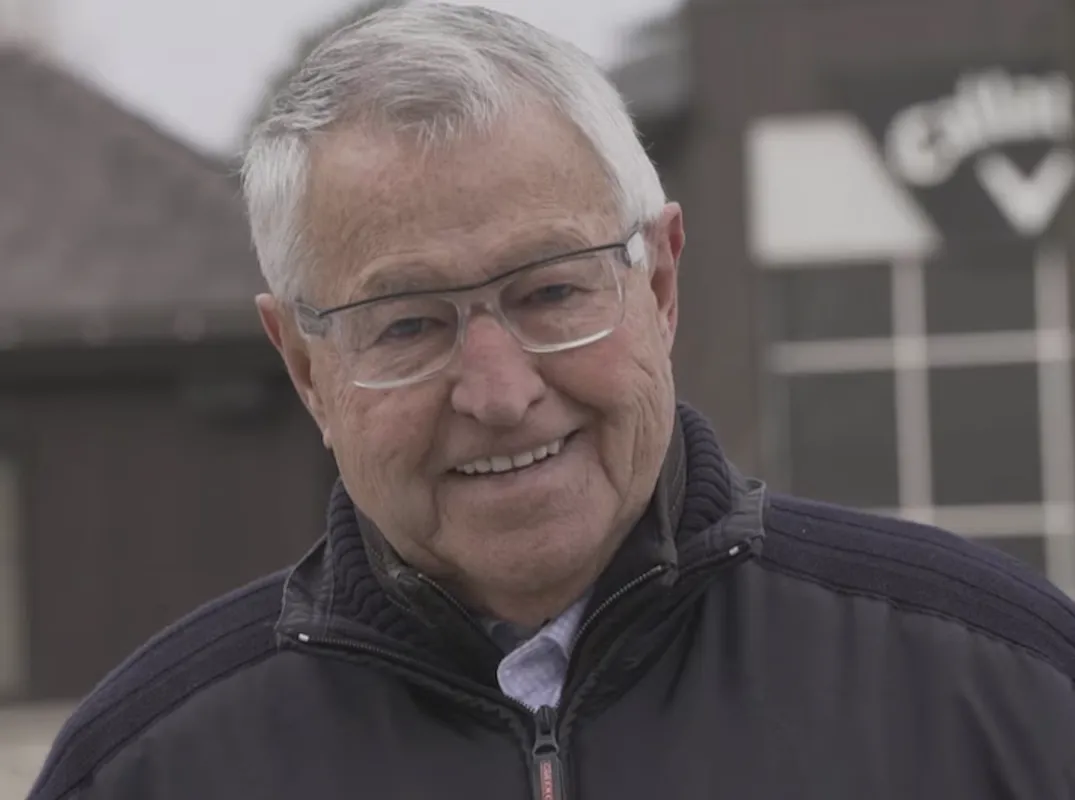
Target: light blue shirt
{"x": 533, "y": 672}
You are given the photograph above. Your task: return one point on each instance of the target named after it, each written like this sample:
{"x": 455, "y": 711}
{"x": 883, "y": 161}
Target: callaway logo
{"x": 926, "y": 143}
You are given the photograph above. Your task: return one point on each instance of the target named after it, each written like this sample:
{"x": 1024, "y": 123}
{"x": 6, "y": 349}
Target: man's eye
{"x": 554, "y": 293}
{"x": 409, "y": 328}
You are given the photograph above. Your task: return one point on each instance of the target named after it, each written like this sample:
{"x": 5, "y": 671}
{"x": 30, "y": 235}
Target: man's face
{"x": 500, "y": 541}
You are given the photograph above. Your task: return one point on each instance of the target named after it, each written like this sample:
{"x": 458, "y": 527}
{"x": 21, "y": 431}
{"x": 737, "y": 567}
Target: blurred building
{"x": 152, "y": 454}
{"x": 876, "y": 297}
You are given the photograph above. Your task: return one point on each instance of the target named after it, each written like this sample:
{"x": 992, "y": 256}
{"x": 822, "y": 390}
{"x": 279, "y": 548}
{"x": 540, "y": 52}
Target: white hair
{"x": 435, "y": 71}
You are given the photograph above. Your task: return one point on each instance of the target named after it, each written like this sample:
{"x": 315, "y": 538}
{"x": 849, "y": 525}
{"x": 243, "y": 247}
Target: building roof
{"x": 109, "y": 229}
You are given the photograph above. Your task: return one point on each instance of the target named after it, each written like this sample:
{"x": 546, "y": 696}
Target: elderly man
{"x": 540, "y": 576}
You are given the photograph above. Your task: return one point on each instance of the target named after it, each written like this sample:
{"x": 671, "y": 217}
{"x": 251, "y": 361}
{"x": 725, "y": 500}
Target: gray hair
{"x": 434, "y": 71}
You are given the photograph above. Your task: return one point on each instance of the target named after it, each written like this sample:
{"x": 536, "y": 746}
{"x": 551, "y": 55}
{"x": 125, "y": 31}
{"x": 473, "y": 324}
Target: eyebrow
{"x": 408, "y": 277}
{"x": 399, "y": 279}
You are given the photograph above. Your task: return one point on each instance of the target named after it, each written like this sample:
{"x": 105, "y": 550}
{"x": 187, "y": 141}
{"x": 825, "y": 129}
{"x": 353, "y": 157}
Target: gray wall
{"x": 151, "y": 481}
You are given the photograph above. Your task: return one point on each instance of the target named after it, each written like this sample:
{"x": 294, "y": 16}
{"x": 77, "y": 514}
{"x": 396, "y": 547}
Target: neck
{"x": 528, "y": 611}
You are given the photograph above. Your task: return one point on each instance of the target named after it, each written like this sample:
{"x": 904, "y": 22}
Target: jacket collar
{"x": 352, "y": 584}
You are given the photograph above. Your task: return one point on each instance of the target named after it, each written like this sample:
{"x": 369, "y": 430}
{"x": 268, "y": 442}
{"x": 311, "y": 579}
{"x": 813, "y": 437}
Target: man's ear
{"x": 281, "y": 328}
{"x": 667, "y": 240}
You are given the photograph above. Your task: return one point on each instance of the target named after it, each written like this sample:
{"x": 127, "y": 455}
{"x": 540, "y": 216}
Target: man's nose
{"x": 496, "y": 381}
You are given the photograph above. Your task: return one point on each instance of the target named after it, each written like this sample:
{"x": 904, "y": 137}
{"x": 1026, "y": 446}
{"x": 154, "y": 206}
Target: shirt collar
{"x": 560, "y": 630}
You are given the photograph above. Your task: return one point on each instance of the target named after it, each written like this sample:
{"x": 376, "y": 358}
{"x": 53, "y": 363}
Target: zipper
{"x": 613, "y": 598}
{"x": 725, "y": 559}
{"x": 547, "y": 764}
{"x": 547, "y": 767}
{"x": 473, "y": 692}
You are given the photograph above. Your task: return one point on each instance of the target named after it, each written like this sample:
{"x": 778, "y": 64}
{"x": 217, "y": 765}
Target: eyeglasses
{"x": 548, "y": 306}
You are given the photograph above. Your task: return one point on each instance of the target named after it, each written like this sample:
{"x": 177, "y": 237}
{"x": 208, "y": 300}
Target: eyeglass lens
{"x": 550, "y": 306}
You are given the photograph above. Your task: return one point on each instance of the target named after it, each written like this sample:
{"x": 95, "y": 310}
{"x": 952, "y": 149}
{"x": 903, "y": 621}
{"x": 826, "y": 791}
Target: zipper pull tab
{"x": 548, "y": 769}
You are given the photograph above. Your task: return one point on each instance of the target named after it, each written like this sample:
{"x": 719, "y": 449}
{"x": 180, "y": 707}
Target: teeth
{"x": 498, "y": 464}
{"x": 522, "y": 460}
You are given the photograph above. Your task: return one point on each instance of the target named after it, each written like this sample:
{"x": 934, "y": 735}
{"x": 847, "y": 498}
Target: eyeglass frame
{"x": 315, "y": 321}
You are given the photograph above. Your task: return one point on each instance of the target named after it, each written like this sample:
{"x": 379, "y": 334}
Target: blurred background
{"x": 875, "y": 297}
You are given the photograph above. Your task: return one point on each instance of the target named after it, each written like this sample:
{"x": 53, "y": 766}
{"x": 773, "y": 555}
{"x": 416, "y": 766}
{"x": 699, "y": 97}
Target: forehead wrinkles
{"x": 344, "y": 180}
{"x": 370, "y": 195}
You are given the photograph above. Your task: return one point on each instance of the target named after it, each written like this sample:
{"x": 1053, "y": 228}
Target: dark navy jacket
{"x": 739, "y": 646}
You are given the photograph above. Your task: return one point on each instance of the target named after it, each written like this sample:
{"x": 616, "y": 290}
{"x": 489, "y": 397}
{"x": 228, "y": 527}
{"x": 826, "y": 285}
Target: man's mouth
{"x": 496, "y": 465}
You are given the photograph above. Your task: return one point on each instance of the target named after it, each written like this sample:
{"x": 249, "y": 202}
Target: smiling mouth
{"x": 499, "y": 465}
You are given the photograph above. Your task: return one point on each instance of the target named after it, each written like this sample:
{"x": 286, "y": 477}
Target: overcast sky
{"x": 196, "y": 66}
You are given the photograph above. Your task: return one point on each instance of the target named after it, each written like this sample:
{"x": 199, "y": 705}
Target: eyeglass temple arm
{"x": 312, "y": 321}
